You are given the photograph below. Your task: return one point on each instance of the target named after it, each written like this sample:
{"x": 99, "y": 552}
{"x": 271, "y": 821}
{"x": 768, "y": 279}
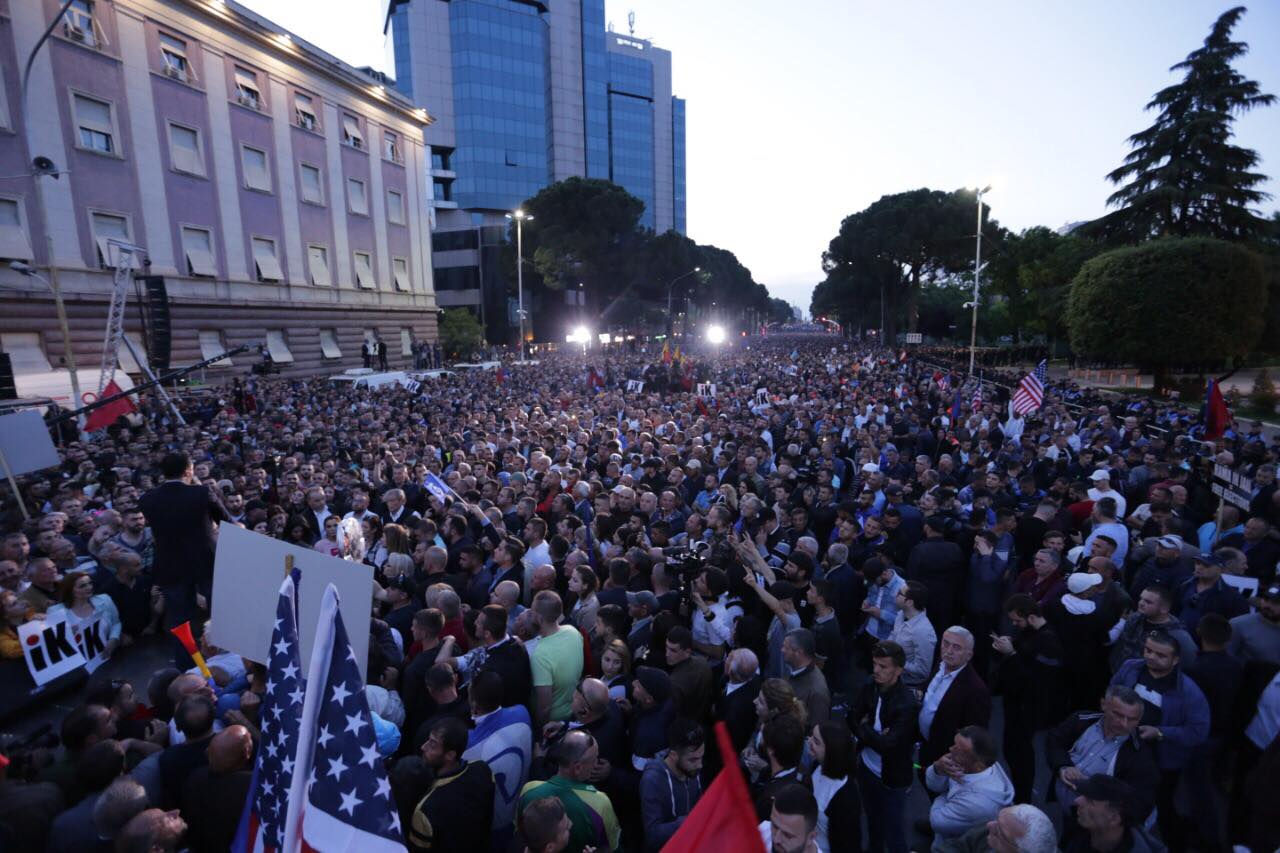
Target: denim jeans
{"x": 885, "y": 808}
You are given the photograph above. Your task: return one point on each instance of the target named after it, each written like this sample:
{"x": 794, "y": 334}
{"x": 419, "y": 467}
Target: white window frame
{"x": 366, "y": 279}
{"x": 391, "y": 149}
{"x": 406, "y": 341}
{"x": 363, "y": 209}
{"x": 211, "y": 344}
{"x": 178, "y": 162}
{"x": 111, "y": 130}
{"x": 248, "y": 92}
{"x": 266, "y": 262}
{"x": 278, "y": 346}
{"x": 329, "y": 346}
{"x": 15, "y": 240}
{"x": 300, "y": 113}
{"x": 400, "y": 275}
{"x": 352, "y": 136}
{"x": 102, "y": 241}
{"x": 201, "y": 261}
{"x": 252, "y": 181}
{"x": 174, "y": 61}
{"x": 319, "y": 278}
{"x": 391, "y": 210}
{"x": 80, "y": 25}
{"x": 302, "y": 183}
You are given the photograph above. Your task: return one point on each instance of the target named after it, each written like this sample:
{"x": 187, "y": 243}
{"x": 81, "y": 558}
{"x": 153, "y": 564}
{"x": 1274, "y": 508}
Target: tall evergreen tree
{"x": 1184, "y": 177}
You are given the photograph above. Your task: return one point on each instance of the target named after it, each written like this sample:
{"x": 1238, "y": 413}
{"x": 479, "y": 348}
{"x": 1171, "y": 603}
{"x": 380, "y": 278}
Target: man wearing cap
{"x": 1206, "y": 592}
{"x": 1168, "y": 566}
{"x": 1256, "y": 636}
{"x": 1152, "y": 614}
{"x": 1079, "y": 622}
{"x": 1101, "y": 488}
{"x": 651, "y": 712}
{"x": 1106, "y": 813}
{"x": 642, "y": 606}
{"x": 1175, "y": 718}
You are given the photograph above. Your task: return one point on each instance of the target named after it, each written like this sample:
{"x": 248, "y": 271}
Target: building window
{"x": 173, "y": 58}
{"x": 95, "y": 123}
{"x": 79, "y": 24}
{"x": 400, "y": 272}
{"x": 4, "y": 103}
{"x": 443, "y": 189}
{"x": 312, "y": 184}
{"x": 364, "y": 271}
{"x": 391, "y": 147}
{"x": 357, "y": 201}
{"x": 257, "y": 172}
{"x": 106, "y": 227}
{"x": 351, "y": 131}
{"x": 318, "y": 262}
{"x": 15, "y": 245}
{"x": 278, "y": 347}
{"x": 211, "y": 345}
{"x": 247, "y": 93}
{"x": 26, "y": 353}
{"x": 406, "y": 341}
{"x": 395, "y": 207}
{"x": 197, "y": 245}
{"x": 329, "y": 344}
{"x": 185, "y": 154}
{"x": 440, "y": 159}
{"x": 304, "y": 112}
{"x": 265, "y": 259}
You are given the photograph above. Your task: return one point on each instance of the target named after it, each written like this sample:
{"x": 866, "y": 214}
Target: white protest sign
{"x": 50, "y": 649}
{"x": 25, "y": 443}
{"x": 1248, "y": 587}
{"x": 93, "y": 644}
{"x": 762, "y": 395}
{"x": 706, "y": 389}
{"x": 635, "y": 385}
{"x": 247, "y": 571}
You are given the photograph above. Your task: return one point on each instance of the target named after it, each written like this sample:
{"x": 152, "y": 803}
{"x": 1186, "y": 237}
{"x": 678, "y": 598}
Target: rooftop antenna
{"x": 631, "y": 22}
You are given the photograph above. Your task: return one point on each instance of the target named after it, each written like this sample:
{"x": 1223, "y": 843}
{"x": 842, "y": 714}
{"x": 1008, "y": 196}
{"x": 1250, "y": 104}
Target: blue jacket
{"x": 989, "y": 576}
{"x": 1184, "y": 716}
{"x": 664, "y": 801}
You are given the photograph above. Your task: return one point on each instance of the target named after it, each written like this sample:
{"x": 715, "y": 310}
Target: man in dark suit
{"x": 503, "y": 655}
{"x": 213, "y": 795}
{"x": 955, "y": 697}
{"x": 381, "y": 346}
{"x": 735, "y": 703}
{"x": 940, "y": 566}
{"x": 181, "y": 517}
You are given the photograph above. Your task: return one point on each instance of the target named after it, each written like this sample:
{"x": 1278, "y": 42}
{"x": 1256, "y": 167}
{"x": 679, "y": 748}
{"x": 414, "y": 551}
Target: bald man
{"x": 214, "y": 795}
{"x": 155, "y": 831}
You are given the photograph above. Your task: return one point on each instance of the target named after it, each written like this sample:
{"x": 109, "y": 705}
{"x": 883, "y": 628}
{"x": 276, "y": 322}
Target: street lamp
{"x": 716, "y": 334}
{"x": 670, "y": 288}
{"x": 520, "y": 218}
{"x": 977, "y": 272}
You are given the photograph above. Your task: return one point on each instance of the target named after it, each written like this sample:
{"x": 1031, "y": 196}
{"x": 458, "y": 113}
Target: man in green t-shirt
{"x": 591, "y": 816}
{"x": 556, "y": 661}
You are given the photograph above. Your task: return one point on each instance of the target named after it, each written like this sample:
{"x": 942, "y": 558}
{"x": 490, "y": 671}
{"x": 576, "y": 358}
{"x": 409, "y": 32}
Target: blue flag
{"x": 437, "y": 487}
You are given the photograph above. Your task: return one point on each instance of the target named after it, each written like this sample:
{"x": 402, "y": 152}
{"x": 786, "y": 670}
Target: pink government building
{"x": 283, "y": 195}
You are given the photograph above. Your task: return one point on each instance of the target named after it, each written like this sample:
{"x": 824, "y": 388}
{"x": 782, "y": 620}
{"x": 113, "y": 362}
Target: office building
{"x": 281, "y": 194}
{"x": 522, "y": 94}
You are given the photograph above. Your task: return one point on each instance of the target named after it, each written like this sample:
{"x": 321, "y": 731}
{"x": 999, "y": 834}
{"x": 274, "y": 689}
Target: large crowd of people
{"x": 885, "y": 584}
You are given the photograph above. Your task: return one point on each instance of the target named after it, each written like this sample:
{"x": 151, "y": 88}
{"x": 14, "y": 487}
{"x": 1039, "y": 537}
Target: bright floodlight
{"x": 580, "y": 335}
{"x": 716, "y": 334}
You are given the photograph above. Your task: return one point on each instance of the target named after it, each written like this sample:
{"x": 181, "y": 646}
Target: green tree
{"x": 1183, "y": 177}
{"x": 779, "y": 311}
{"x": 920, "y": 235}
{"x": 1166, "y": 303}
{"x": 1032, "y": 271}
{"x": 460, "y": 332}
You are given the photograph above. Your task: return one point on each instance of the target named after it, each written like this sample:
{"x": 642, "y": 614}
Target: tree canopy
{"x": 1161, "y": 304}
{"x": 1183, "y": 176}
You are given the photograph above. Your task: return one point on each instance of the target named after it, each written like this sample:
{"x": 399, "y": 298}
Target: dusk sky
{"x": 801, "y": 114}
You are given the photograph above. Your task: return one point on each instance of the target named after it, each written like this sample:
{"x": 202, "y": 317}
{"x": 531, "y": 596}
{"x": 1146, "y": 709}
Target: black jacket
{"x": 896, "y": 742}
{"x": 940, "y": 566}
{"x": 1135, "y": 763}
{"x": 1033, "y": 680}
{"x": 737, "y": 710}
{"x": 511, "y": 662}
{"x": 181, "y": 518}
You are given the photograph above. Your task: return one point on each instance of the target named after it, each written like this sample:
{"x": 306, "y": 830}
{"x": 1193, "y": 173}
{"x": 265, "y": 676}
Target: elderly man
{"x": 955, "y": 697}
{"x": 1021, "y": 828}
{"x": 799, "y": 651}
{"x": 735, "y": 704}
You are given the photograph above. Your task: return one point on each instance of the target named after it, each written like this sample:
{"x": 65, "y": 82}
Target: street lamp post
{"x": 520, "y": 218}
{"x": 61, "y": 309}
{"x": 670, "y": 289}
{"x": 977, "y": 273}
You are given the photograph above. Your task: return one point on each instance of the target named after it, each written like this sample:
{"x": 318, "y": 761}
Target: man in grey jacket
{"x": 972, "y": 785}
{"x": 915, "y": 633}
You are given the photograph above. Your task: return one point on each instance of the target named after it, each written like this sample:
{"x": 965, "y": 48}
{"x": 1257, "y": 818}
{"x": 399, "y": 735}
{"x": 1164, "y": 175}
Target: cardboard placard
{"x": 1248, "y": 587}
{"x": 706, "y": 389}
{"x": 635, "y": 386}
{"x": 92, "y": 642}
{"x": 25, "y": 443}
{"x": 1232, "y": 487}
{"x": 247, "y": 571}
{"x": 50, "y": 649}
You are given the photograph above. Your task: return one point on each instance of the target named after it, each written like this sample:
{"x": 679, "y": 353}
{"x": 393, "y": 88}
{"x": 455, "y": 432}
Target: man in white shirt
{"x": 1105, "y": 515}
{"x": 1102, "y": 489}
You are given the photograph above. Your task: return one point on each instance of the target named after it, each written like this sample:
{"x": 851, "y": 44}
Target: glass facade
{"x": 595, "y": 88}
{"x": 501, "y": 95}
{"x": 400, "y": 49}
{"x": 631, "y": 129}
{"x": 677, "y": 163}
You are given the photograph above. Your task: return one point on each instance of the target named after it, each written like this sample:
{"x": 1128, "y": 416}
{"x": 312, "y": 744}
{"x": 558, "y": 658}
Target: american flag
{"x": 341, "y": 798}
{"x": 1030, "y": 393}
{"x": 977, "y": 395}
{"x": 262, "y": 823}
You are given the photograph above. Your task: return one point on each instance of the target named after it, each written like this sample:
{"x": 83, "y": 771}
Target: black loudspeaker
{"x": 160, "y": 342}
{"x": 8, "y": 388}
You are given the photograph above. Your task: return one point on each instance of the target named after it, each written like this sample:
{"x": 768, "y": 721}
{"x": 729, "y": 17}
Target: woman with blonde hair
{"x": 396, "y": 538}
{"x": 776, "y": 699}
{"x": 615, "y": 668}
